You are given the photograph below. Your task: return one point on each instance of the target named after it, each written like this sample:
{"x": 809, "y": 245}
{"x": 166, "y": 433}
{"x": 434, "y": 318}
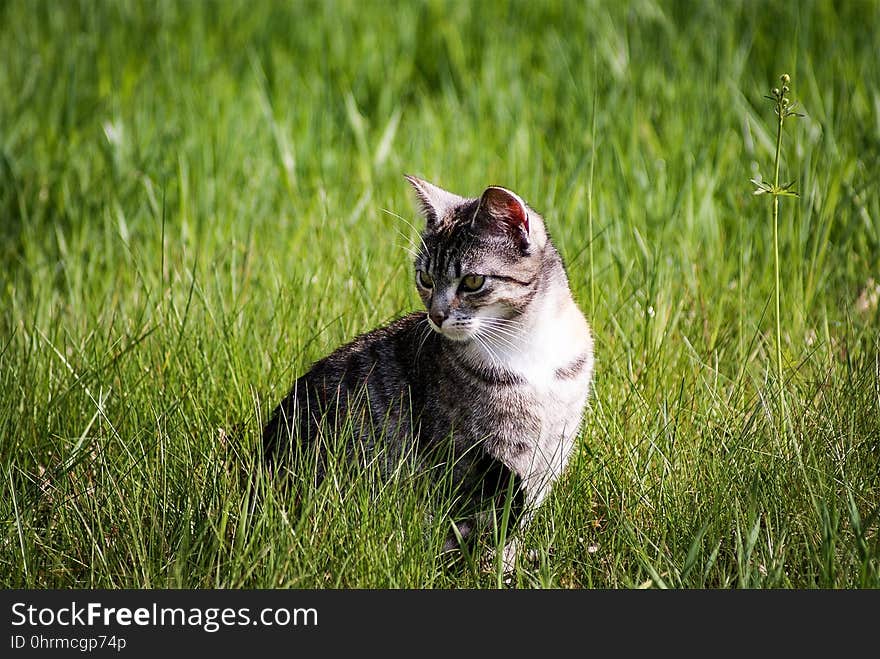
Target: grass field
{"x": 197, "y": 200}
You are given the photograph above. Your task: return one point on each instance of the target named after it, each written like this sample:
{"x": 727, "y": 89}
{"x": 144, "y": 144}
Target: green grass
{"x": 197, "y": 200}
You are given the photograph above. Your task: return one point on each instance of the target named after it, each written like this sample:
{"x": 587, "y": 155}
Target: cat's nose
{"x": 437, "y": 317}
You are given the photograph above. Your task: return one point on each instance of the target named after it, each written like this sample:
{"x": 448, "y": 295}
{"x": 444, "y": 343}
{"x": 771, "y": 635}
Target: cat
{"x": 493, "y": 376}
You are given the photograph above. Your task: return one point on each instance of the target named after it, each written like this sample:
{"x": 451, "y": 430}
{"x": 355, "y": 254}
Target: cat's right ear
{"x": 436, "y": 203}
{"x": 502, "y": 211}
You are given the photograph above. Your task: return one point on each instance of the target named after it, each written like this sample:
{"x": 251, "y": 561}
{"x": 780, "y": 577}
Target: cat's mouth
{"x": 454, "y": 330}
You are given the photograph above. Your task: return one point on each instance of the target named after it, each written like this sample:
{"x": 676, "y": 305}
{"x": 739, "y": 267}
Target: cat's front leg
{"x": 463, "y": 533}
{"x": 528, "y": 495}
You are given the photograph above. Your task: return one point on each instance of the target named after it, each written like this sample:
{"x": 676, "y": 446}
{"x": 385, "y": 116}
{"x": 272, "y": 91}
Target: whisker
{"x": 493, "y": 358}
{"x": 500, "y": 319}
{"x": 496, "y": 343}
{"x": 410, "y": 224}
{"x": 408, "y": 239}
{"x": 502, "y": 341}
{"x": 518, "y": 337}
{"x": 513, "y": 336}
{"x": 517, "y": 341}
{"x": 504, "y": 330}
{"x": 503, "y": 322}
{"x": 425, "y": 336}
{"x": 413, "y": 248}
{"x": 406, "y": 249}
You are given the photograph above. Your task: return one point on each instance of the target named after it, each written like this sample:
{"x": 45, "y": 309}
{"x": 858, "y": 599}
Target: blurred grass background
{"x": 198, "y": 199}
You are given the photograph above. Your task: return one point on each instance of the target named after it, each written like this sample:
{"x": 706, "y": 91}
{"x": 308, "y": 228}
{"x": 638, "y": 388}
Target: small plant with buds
{"x": 784, "y": 109}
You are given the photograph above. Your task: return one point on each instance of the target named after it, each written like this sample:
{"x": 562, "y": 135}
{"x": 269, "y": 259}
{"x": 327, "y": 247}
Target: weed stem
{"x": 780, "y": 111}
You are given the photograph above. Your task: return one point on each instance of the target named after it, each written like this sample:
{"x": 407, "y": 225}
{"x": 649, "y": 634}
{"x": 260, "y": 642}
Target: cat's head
{"x": 480, "y": 260}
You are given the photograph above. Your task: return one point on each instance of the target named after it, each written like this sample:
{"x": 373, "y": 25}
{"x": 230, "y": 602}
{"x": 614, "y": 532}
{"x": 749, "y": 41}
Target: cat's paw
{"x": 508, "y": 558}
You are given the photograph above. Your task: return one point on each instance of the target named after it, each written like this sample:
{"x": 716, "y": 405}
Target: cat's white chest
{"x": 553, "y": 359}
{"x": 540, "y": 353}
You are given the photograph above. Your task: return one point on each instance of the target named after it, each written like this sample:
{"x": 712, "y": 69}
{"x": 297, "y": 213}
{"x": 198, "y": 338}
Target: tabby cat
{"x": 493, "y": 377}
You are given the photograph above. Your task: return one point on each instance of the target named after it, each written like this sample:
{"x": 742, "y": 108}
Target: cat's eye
{"x": 472, "y": 283}
{"x": 425, "y": 279}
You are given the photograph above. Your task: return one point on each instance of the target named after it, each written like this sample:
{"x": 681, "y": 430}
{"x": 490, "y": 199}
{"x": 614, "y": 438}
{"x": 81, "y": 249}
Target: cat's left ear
{"x": 437, "y": 204}
{"x": 502, "y": 209}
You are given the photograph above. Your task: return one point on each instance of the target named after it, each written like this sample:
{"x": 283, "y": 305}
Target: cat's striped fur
{"x": 495, "y": 375}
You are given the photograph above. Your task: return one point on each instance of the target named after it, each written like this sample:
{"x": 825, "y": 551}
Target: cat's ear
{"x": 503, "y": 210}
{"x": 436, "y": 203}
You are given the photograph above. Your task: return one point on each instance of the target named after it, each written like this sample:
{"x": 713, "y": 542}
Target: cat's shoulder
{"x": 396, "y": 329}
{"x": 383, "y": 340}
